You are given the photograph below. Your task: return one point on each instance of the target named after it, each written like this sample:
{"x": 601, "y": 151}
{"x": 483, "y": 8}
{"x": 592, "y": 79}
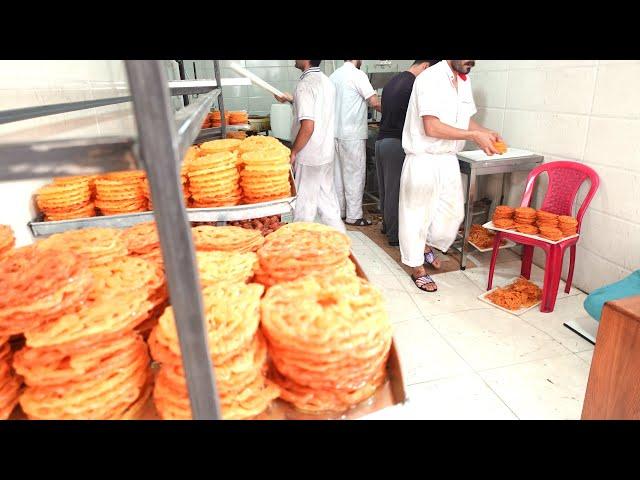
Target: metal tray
{"x": 281, "y": 206}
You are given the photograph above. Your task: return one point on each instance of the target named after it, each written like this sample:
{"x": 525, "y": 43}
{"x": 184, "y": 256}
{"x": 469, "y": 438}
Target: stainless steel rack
{"x": 163, "y": 138}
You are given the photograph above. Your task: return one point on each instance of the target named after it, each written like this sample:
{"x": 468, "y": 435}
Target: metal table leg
{"x": 468, "y": 217}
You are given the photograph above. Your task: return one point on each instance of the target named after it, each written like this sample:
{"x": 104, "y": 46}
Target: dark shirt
{"x": 395, "y": 101}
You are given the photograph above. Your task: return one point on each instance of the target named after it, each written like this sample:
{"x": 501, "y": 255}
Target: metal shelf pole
{"x": 223, "y": 123}
{"x": 183, "y": 76}
{"x": 160, "y": 146}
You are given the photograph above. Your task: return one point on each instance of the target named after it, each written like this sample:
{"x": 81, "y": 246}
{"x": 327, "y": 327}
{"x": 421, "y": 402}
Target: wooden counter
{"x": 613, "y": 390}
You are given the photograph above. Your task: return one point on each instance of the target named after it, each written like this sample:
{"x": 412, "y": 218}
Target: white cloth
{"x": 353, "y": 89}
{"x": 349, "y": 176}
{"x": 314, "y": 99}
{"x": 431, "y": 206}
{"x": 434, "y": 94}
{"x": 316, "y": 196}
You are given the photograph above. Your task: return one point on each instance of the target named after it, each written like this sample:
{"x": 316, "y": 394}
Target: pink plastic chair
{"x": 565, "y": 178}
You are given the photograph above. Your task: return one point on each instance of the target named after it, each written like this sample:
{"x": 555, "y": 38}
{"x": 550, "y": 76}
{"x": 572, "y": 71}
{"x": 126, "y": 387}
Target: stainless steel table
{"x": 475, "y": 163}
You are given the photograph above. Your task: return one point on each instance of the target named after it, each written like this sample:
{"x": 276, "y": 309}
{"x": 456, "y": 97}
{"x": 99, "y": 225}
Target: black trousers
{"x": 389, "y": 161}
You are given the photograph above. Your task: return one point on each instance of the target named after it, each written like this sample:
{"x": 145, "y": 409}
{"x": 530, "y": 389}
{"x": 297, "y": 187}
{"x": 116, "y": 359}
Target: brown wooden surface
{"x": 613, "y": 390}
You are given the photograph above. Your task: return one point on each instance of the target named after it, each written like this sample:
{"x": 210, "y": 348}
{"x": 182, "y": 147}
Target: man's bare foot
{"x": 422, "y": 280}
{"x": 431, "y": 259}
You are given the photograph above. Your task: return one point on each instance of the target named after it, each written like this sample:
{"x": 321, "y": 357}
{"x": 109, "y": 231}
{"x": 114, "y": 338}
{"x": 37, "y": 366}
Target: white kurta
{"x": 431, "y": 205}
{"x": 350, "y": 176}
{"x": 317, "y": 198}
{"x": 353, "y": 89}
{"x": 314, "y": 99}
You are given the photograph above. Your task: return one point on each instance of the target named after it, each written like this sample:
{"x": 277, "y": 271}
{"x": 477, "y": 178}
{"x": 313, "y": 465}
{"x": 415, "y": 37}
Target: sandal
{"x": 422, "y": 281}
{"x": 429, "y": 258}
{"x": 361, "y": 222}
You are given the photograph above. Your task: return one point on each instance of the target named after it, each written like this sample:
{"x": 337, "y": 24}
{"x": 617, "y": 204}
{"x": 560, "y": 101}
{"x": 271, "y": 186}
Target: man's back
{"x": 395, "y": 101}
{"x": 314, "y": 99}
{"x": 353, "y": 89}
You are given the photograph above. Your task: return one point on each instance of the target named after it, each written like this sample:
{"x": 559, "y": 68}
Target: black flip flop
{"x": 422, "y": 281}
{"x": 361, "y": 222}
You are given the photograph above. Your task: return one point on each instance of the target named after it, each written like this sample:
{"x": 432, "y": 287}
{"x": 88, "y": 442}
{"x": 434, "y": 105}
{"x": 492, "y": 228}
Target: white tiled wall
{"x": 32, "y": 83}
{"x": 282, "y": 74}
{"x": 581, "y": 110}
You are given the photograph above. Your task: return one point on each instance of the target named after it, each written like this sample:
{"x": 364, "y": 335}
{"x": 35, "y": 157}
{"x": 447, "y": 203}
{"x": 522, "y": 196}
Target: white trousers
{"x": 431, "y": 206}
{"x": 350, "y": 172}
{"x": 316, "y": 196}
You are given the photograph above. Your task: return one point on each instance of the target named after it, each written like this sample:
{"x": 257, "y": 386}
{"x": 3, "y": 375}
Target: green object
{"x": 627, "y": 287}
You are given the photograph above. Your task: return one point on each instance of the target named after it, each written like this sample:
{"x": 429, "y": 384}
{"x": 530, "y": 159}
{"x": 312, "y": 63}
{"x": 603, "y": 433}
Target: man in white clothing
{"x": 353, "y": 92}
{"x": 437, "y": 124}
{"x": 312, "y": 150}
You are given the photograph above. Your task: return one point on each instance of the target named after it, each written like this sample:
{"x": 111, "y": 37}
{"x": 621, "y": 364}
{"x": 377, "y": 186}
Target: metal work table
{"x": 474, "y": 164}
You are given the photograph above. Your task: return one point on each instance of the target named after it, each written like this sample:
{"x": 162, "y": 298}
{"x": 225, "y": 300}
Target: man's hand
{"x": 485, "y": 140}
{"x": 293, "y": 159}
{"x": 286, "y": 97}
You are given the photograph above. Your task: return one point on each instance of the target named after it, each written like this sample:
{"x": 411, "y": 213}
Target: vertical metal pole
{"x": 183, "y": 76}
{"x": 223, "y": 123}
{"x": 160, "y": 144}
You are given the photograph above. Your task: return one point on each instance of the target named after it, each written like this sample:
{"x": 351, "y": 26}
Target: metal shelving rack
{"x": 163, "y": 138}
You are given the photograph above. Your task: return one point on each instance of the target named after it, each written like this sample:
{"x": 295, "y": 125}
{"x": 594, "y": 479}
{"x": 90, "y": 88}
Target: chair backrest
{"x": 565, "y": 179}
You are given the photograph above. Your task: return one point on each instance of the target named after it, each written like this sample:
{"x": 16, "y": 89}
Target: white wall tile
{"x": 614, "y": 142}
{"x": 557, "y": 90}
{"x": 620, "y": 241}
{"x": 562, "y": 134}
{"x": 617, "y": 91}
{"x": 619, "y": 193}
{"x": 270, "y": 74}
{"x": 492, "y": 118}
{"x": 594, "y": 270}
{"x": 518, "y": 64}
{"x": 269, "y": 63}
{"x": 488, "y": 65}
{"x": 260, "y": 105}
{"x": 236, "y": 103}
{"x": 489, "y": 88}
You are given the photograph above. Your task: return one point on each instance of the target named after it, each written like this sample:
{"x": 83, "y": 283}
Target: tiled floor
{"x": 463, "y": 359}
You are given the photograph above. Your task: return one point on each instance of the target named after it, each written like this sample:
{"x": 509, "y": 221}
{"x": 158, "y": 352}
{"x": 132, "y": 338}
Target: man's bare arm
{"x": 433, "y": 127}
{"x": 374, "y": 102}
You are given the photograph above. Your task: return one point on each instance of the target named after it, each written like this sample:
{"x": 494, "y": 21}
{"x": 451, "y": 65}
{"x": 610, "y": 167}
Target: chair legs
{"x": 552, "y": 272}
{"x": 494, "y": 258}
{"x": 572, "y": 262}
{"x": 527, "y": 259}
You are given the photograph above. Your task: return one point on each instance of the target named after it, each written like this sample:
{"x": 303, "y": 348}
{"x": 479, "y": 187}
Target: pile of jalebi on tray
{"x": 91, "y": 363}
{"x": 301, "y": 248}
{"x": 78, "y": 299}
{"x": 329, "y": 338}
{"x": 10, "y": 383}
{"x": 7, "y": 239}
{"x": 238, "y": 352}
{"x": 192, "y": 153}
{"x": 121, "y": 192}
{"x": 535, "y": 222}
{"x": 265, "y": 174}
{"x": 481, "y": 237}
{"x": 67, "y": 198}
{"x": 520, "y": 294}
{"x": 226, "y": 239}
{"x": 213, "y": 180}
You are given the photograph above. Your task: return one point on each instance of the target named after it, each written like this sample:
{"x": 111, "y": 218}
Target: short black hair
{"x": 431, "y": 62}
{"x": 315, "y": 63}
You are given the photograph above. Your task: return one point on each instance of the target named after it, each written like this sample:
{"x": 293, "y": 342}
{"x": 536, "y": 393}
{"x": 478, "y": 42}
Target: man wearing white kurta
{"x": 437, "y": 124}
{"x": 353, "y": 92}
{"x": 312, "y": 150}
